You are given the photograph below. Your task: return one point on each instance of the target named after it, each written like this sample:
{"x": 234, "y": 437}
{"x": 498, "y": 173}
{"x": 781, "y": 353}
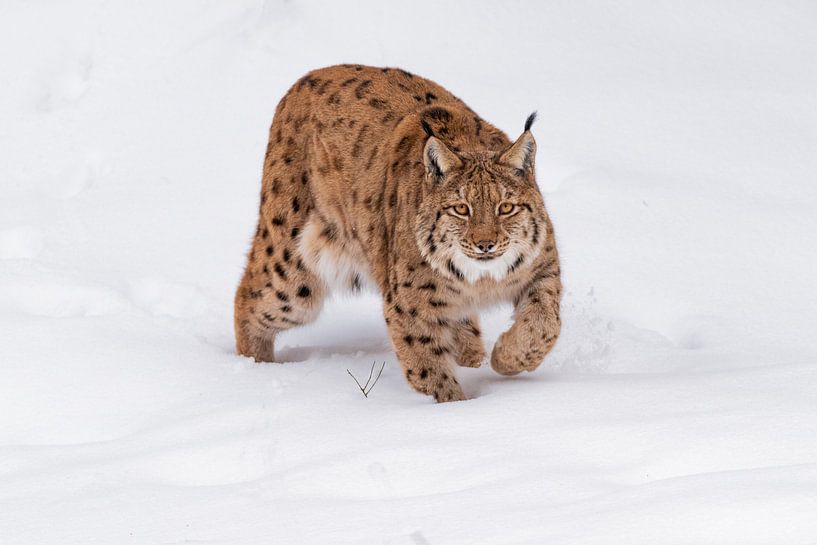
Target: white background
{"x": 678, "y": 158}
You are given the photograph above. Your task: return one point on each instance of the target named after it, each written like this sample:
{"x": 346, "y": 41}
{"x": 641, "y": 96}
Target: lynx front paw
{"x": 512, "y": 355}
{"x": 472, "y": 354}
{"x": 454, "y": 393}
{"x": 439, "y": 384}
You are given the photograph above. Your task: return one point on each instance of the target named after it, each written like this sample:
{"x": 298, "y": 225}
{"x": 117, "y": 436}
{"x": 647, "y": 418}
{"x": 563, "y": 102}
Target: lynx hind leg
{"x": 469, "y": 350}
{"x": 252, "y": 339}
{"x": 279, "y": 295}
{"x": 278, "y": 291}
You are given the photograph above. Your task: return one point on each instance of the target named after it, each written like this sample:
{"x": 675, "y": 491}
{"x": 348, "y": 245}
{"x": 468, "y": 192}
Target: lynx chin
{"x": 377, "y": 176}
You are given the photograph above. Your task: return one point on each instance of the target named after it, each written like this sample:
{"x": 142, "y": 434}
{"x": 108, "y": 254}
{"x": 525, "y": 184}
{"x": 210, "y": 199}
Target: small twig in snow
{"x": 366, "y": 389}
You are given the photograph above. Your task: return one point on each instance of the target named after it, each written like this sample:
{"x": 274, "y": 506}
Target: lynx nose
{"x": 485, "y": 246}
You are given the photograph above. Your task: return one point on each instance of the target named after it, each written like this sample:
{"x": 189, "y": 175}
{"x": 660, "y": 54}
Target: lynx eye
{"x": 506, "y": 208}
{"x": 461, "y": 209}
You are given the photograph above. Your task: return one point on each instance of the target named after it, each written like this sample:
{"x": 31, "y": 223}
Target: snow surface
{"x": 678, "y": 155}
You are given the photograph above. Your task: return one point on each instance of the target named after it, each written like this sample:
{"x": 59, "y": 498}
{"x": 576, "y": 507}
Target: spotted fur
{"x": 377, "y": 177}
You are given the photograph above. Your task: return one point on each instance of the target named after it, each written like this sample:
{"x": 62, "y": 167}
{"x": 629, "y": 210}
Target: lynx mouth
{"x": 484, "y": 256}
{"x": 477, "y": 265}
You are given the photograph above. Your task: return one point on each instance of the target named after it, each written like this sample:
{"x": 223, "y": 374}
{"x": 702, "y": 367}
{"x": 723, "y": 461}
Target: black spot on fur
{"x": 516, "y": 264}
{"x": 324, "y": 85}
{"x": 425, "y": 339}
{"x": 372, "y": 155}
{"x": 362, "y": 88}
{"x": 282, "y": 296}
{"x": 304, "y": 291}
{"x": 278, "y": 220}
{"x": 427, "y": 128}
{"x": 409, "y": 340}
{"x": 359, "y": 141}
{"x": 454, "y": 270}
{"x": 430, "y": 97}
{"x": 403, "y": 145}
{"x": 438, "y": 114}
{"x": 279, "y": 270}
{"x": 296, "y": 206}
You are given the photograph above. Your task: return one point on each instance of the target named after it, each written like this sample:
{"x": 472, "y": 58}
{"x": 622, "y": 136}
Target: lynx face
{"x": 482, "y": 215}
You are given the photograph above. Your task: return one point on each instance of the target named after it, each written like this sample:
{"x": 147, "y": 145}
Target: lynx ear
{"x": 439, "y": 160}
{"x": 522, "y": 153}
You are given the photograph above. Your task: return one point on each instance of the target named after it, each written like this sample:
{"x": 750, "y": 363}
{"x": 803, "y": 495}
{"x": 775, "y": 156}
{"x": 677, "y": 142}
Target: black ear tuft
{"x": 427, "y": 128}
{"x": 529, "y": 121}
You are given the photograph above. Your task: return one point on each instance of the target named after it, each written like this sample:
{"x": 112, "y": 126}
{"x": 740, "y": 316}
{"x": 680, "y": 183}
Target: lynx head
{"x": 482, "y": 213}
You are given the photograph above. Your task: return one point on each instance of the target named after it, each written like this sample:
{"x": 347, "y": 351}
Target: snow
{"x": 676, "y": 152}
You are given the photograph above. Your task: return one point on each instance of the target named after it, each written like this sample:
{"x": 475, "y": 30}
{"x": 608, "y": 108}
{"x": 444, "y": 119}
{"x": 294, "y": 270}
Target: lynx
{"x": 375, "y": 176}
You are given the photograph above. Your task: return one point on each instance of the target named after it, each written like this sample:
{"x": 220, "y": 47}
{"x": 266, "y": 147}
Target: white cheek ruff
{"x": 497, "y": 268}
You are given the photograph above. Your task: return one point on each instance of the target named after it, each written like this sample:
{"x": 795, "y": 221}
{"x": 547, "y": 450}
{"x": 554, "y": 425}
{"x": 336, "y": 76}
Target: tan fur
{"x": 355, "y": 190}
